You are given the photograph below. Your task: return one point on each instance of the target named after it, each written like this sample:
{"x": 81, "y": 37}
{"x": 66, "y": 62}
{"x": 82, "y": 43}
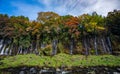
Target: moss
{"x": 59, "y": 60}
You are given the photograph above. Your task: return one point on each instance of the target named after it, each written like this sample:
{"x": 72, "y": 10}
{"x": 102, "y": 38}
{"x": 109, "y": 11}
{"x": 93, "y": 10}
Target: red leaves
{"x": 72, "y": 23}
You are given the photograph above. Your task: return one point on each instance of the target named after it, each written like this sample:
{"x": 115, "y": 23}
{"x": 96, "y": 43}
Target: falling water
{"x": 54, "y": 47}
{"x": 0, "y": 47}
{"x": 1, "y": 42}
{"x": 42, "y": 45}
{"x": 85, "y": 45}
{"x": 109, "y": 44}
{"x": 103, "y": 45}
{"x": 3, "y": 49}
{"x": 95, "y": 46}
{"x": 71, "y": 46}
{"x": 20, "y": 50}
{"x": 6, "y": 51}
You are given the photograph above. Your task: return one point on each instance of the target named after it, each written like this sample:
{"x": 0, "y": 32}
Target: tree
{"x": 113, "y": 25}
{"x": 91, "y": 26}
{"x": 44, "y": 17}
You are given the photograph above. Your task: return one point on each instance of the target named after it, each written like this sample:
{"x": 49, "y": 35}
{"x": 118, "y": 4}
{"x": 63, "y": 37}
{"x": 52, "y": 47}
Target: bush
{"x": 46, "y": 51}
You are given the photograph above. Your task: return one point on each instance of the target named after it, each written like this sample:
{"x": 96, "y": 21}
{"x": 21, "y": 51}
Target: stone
{"x": 58, "y": 69}
{"x": 116, "y": 72}
{"x": 33, "y": 71}
{"x": 118, "y": 69}
{"x": 24, "y": 68}
{"x": 22, "y": 72}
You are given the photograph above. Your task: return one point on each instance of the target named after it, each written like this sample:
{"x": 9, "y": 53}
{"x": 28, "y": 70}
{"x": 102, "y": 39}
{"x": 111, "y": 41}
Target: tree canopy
{"x": 82, "y": 33}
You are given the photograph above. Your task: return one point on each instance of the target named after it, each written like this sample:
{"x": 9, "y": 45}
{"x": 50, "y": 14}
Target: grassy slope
{"x": 59, "y": 60}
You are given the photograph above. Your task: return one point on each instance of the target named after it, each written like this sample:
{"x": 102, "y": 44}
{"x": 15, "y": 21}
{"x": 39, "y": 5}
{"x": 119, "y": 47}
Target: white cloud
{"x": 103, "y": 6}
{"x": 64, "y": 7}
{"x": 77, "y": 7}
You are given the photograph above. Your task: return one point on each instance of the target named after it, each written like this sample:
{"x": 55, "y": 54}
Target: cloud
{"x": 103, "y": 6}
{"x": 65, "y": 7}
{"x": 78, "y": 7}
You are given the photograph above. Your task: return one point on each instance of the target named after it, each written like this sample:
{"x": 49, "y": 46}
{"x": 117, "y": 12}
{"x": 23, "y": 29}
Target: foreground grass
{"x": 30, "y": 60}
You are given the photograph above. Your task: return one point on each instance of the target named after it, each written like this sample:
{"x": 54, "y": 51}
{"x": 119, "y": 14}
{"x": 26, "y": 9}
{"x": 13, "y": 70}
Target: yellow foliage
{"x": 100, "y": 28}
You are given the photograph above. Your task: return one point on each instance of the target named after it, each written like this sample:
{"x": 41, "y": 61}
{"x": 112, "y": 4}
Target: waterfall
{"x": 3, "y": 49}
{"x": 18, "y": 50}
{"x": 42, "y": 45}
{"x": 103, "y": 45}
{"x": 0, "y": 47}
{"x": 109, "y": 44}
{"x": 6, "y": 51}
{"x": 71, "y": 46}
{"x": 88, "y": 45}
{"x": 85, "y": 46}
{"x": 21, "y": 50}
{"x": 31, "y": 48}
{"x": 54, "y": 46}
{"x": 1, "y": 42}
{"x": 10, "y": 49}
{"x": 95, "y": 45}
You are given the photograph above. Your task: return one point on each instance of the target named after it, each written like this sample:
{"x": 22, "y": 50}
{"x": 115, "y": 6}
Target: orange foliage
{"x": 73, "y": 23}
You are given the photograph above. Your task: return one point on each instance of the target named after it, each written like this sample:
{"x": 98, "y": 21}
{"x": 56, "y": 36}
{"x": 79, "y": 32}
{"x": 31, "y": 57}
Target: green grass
{"x": 30, "y": 60}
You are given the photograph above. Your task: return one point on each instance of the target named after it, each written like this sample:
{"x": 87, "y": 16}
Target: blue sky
{"x": 30, "y": 8}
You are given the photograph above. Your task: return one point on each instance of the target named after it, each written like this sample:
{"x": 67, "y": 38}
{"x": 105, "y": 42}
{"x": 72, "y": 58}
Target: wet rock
{"x": 106, "y": 69}
{"x": 65, "y": 72}
{"x": 33, "y": 71}
{"x": 24, "y": 68}
{"x": 118, "y": 69}
{"x": 10, "y": 69}
{"x": 42, "y": 71}
{"x": 116, "y": 72}
{"x": 58, "y": 69}
{"x": 22, "y": 72}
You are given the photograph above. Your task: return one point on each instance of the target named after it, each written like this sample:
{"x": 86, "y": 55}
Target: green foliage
{"x": 92, "y": 23}
{"x": 113, "y": 25}
{"x": 113, "y": 22}
{"x": 50, "y": 26}
{"x": 31, "y": 60}
{"x": 46, "y": 51}
{"x": 60, "y": 47}
{"x": 25, "y": 41}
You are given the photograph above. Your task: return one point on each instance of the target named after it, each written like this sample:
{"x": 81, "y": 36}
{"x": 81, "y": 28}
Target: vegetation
{"x": 85, "y": 34}
{"x": 59, "y": 60}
